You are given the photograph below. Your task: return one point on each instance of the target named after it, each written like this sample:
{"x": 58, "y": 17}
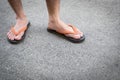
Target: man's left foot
{"x": 69, "y": 31}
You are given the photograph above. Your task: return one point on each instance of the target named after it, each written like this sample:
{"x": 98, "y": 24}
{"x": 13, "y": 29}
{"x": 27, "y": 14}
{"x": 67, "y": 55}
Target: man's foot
{"x": 20, "y": 23}
{"x": 61, "y": 27}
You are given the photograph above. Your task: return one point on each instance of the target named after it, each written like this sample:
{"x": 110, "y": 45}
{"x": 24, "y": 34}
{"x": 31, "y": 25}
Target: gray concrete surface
{"x": 44, "y": 56}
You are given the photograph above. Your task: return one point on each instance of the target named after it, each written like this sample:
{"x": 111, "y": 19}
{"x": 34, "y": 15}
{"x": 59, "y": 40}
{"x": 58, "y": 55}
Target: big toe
{"x": 19, "y": 36}
{"x": 75, "y": 36}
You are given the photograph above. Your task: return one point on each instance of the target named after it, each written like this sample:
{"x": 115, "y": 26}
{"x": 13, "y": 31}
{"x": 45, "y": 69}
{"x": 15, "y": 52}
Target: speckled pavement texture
{"x": 45, "y": 56}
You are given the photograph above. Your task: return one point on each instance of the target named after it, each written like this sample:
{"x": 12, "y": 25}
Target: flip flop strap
{"x": 76, "y": 31}
{"x": 19, "y": 31}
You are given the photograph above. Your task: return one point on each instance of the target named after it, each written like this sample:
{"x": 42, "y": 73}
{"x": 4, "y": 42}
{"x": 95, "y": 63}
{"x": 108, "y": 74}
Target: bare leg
{"x": 54, "y": 19}
{"x": 21, "y": 19}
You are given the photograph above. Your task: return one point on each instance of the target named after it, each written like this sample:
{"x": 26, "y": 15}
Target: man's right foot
{"x": 20, "y": 23}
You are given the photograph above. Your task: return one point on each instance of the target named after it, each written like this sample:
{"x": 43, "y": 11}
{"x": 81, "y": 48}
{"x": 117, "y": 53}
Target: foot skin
{"x": 62, "y": 28}
{"x": 19, "y": 24}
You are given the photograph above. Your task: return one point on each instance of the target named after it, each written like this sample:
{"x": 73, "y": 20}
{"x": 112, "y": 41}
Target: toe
{"x": 75, "y": 36}
{"x": 11, "y": 35}
{"x": 8, "y": 33}
{"x": 19, "y": 36}
{"x": 81, "y": 34}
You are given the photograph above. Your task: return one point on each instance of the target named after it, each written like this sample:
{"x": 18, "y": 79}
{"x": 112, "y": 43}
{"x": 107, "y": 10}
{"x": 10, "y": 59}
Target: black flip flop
{"x": 81, "y": 39}
{"x": 23, "y": 37}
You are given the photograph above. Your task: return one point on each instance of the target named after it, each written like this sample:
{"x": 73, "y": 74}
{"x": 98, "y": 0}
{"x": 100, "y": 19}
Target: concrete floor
{"x": 44, "y": 56}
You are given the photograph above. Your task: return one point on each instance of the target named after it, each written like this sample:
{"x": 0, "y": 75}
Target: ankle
{"x": 53, "y": 23}
{"x": 54, "y": 19}
{"x": 21, "y": 18}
